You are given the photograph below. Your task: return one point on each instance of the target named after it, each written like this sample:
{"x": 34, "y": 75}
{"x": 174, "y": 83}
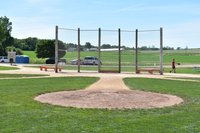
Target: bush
{"x": 17, "y": 50}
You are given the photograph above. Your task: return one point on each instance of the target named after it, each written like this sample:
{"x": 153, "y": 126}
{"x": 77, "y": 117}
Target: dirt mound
{"x": 110, "y": 99}
{"x": 109, "y": 92}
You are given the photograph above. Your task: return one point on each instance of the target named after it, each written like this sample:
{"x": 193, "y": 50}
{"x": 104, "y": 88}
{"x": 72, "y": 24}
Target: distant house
{"x": 93, "y": 49}
{"x": 71, "y": 49}
{"x": 112, "y": 49}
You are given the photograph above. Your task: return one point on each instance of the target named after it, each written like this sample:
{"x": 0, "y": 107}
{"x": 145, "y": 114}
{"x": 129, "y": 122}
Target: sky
{"x": 180, "y": 20}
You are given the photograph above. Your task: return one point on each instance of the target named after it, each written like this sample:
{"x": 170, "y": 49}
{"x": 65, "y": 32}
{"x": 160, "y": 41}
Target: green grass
{"x": 186, "y": 70}
{"x": 33, "y": 58}
{"x": 21, "y": 75}
{"x": 128, "y": 57}
{"x": 186, "y": 78}
{"x": 183, "y": 119}
{"x": 20, "y": 113}
{"x": 8, "y": 68}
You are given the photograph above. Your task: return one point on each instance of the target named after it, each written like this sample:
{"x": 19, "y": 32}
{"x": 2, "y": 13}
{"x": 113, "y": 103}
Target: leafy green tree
{"x": 70, "y": 45}
{"x": 26, "y": 44}
{"x": 1, "y": 50}
{"x": 46, "y": 49}
{"x": 5, "y": 34}
{"x": 105, "y": 46}
{"x": 88, "y": 45}
{"x": 31, "y": 43}
{"x": 17, "y": 50}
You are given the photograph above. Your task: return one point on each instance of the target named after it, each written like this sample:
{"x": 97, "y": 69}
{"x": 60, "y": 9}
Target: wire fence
{"x": 120, "y": 57}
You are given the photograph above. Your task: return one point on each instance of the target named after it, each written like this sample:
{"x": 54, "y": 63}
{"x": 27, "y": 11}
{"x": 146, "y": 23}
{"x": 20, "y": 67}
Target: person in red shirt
{"x": 173, "y": 66}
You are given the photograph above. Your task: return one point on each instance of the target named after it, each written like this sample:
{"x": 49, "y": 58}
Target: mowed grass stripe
{"x": 20, "y": 75}
{"x": 8, "y": 68}
{"x": 148, "y": 57}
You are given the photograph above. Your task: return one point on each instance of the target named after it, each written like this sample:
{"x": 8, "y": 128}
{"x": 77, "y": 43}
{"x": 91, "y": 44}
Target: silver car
{"x": 91, "y": 60}
{"x": 75, "y": 62}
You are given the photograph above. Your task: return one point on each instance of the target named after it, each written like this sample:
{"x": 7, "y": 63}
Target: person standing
{"x": 173, "y": 66}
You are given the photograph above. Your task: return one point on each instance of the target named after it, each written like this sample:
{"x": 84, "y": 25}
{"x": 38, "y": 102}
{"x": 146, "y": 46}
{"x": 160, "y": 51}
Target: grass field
{"x": 186, "y": 78}
{"x": 20, "y": 113}
{"x": 33, "y": 57}
{"x": 128, "y": 57}
{"x": 187, "y": 70}
{"x": 145, "y": 57}
{"x": 21, "y": 75}
{"x": 7, "y": 68}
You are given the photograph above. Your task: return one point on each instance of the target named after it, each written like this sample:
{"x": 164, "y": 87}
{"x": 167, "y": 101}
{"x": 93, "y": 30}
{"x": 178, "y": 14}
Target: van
{"x": 4, "y": 59}
{"x": 91, "y": 60}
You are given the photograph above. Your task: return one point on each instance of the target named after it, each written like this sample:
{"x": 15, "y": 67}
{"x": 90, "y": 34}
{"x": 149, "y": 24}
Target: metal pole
{"x": 119, "y": 42}
{"x": 161, "y": 51}
{"x": 99, "y": 50}
{"x": 79, "y": 60}
{"x": 56, "y": 50}
{"x": 136, "y": 51}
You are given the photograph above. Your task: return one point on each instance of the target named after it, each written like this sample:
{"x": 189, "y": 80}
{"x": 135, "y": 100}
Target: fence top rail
{"x": 106, "y": 30}
{"x": 148, "y": 30}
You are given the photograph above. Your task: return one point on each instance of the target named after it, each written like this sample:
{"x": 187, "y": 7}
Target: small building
{"x": 93, "y": 49}
{"x": 112, "y": 49}
{"x": 11, "y": 56}
{"x": 71, "y": 49}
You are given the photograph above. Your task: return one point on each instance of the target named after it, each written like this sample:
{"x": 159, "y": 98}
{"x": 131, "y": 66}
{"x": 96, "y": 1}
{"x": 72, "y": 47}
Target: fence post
{"x": 136, "y": 51}
{"x": 79, "y": 60}
{"x": 119, "y": 43}
{"x": 56, "y": 49}
{"x": 99, "y": 50}
{"x": 161, "y": 51}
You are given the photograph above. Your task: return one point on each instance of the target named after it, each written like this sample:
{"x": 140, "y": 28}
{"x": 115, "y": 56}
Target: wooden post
{"x": 99, "y": 50}
{"x": 79, "y": 60}
{"x": 161, "y": 51}
{"x": 56, "y": 49}
{"x": 119, "y": 43}
{"x": 136, "y": 51}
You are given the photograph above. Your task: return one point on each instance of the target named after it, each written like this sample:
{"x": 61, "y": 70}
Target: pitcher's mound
{"x": 110, "y": 99}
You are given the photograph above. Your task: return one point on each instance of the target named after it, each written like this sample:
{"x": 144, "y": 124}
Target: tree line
{"x": 88, "y": 45}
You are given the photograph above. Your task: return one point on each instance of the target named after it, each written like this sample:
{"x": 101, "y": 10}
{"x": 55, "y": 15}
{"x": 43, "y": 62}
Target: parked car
{"x": 75, "y": 62}
{"x": 52, "y": 61}
{"x": 4, "y": 59}
{"x": 91, "y": 60}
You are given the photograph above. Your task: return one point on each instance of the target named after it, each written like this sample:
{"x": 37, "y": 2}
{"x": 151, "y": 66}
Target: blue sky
{"x": 37, "y": 18}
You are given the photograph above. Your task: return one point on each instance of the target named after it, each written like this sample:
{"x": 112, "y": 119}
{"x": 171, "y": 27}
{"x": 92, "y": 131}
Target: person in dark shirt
{"x": 173, "y": 66}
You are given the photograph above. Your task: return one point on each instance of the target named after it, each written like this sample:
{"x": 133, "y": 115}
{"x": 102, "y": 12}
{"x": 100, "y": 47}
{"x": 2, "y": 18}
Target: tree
{"x": 17, "y": 50}
{"x": 31, "y": 43}
{"x": 105, "y": 46}
{"x": 5, "y": 31}
{"x": 70, "y": 45}
{"x": 88, "y": 45}
{"x": 46, "y": 49}
{"x": 26, "y": 44}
